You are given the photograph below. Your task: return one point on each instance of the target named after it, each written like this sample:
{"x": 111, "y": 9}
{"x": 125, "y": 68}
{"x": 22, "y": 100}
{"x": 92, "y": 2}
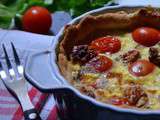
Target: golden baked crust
{"x": 91, "y": 27}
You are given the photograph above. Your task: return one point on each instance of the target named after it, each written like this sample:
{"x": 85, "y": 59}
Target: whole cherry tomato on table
{"x": 106, "y": 44}
{"x": 141, "y": 68}
{"x": 146, "y": 36}
{"x": 37, "y": 20}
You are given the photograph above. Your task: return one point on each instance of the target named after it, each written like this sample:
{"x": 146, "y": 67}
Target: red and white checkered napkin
{"x": 49, "y": 112}
{"x": 11, "y": 110}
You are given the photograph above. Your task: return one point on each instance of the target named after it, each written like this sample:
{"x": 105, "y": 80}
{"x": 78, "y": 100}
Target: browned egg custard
{"x": 115, "y": 58}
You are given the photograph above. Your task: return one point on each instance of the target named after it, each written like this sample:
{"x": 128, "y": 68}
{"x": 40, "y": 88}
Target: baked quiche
{"x": 115, "y": 57}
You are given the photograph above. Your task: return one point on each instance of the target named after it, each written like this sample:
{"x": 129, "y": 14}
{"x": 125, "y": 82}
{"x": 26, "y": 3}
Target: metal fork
{"x": 13, "y": 79}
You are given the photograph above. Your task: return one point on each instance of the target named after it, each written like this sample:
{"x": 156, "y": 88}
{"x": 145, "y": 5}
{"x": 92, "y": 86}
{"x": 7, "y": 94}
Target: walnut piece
{"x": 135, "y": 95}
{"x": 130, "y": 56}
{"x": 154, "y": 56}
{"x": 82, "y": 54}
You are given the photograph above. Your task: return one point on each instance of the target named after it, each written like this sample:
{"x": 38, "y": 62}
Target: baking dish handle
{"x": 41, "y": 69}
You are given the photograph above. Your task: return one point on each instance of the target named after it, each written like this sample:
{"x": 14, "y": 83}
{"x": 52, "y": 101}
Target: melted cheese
{"x": 150, "y": 82}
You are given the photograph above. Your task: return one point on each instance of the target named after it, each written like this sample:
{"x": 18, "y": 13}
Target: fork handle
{"x": 31, "y": 114}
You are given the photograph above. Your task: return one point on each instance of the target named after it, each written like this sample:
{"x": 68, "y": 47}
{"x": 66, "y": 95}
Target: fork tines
{"x": 8, "y": 62}
{"x": 15, "y": 55}
{"x": 7, "y": 57}
{"x": 17, "y": 60}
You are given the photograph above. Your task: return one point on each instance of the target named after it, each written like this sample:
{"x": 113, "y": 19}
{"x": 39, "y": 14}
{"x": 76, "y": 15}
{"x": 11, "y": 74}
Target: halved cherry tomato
{"x": 101, "y": 63}
{"x": 37, "y": 19}
{"x": 106, "y": 44}
{"x": 141, "y": 68}
{"x": 146, "y": 36}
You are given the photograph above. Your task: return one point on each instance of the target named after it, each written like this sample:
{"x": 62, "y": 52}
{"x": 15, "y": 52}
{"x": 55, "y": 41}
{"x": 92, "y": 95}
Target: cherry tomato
{"x": 37, "y": 19}
{"x": 141, "y": 68}
{"x": 106, "y": 44}
{"x": 146, "y": 36}
{"x": 101, "y": 63}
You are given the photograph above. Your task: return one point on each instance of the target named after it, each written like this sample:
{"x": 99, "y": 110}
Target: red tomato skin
{"x": 106, "y": 44}
{"x": 101, "y": 63}
{"x": 146, "y": 36}
{"x": 141, "y": 68}
{"x": 118, "y": 101}
{"x": 37, "y": 20}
